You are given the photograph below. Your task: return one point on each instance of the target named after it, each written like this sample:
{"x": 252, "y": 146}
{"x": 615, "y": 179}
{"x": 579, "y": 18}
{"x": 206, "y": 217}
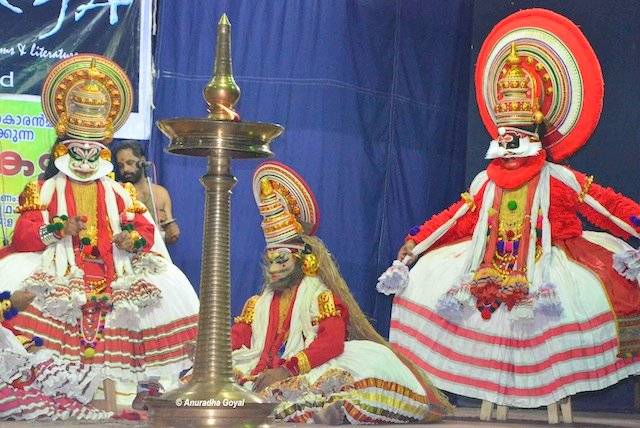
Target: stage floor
{"x": 463, "y": 418}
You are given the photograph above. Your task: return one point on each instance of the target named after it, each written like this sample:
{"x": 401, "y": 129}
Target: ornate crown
{"x": 286, "y": 204}
{"x": 87, "y": 97}
{"x": 536, "y": 66}
{"x": 279, "y": 224}
{"x": 518, "y": 94}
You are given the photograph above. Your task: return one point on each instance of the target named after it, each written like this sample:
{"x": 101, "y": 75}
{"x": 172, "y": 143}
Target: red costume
{"x": 328, "y": 344}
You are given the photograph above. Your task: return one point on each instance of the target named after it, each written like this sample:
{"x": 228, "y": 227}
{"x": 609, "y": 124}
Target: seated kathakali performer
{"x": 34, "y": 384}
{"x": 303, "y": 342}
{"x": 107, "y": 294}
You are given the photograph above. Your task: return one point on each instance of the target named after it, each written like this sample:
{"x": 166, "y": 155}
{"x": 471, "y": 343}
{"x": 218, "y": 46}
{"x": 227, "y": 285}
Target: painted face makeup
{"x": 513, "y": 143}
{"x": 282, "y": 263}
{"x": 84, "y": 159}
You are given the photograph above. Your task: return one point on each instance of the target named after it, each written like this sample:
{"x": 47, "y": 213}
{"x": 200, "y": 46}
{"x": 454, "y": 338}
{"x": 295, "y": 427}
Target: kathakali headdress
{"x": 87, "y": 98}
{"x": 536, "y": 67}
{"x": 289, "y": 210}
{"x": 286, "y": 203}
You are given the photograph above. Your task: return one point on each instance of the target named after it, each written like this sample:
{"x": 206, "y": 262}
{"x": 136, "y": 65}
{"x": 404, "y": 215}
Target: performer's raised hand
{"x": 406, "y": 250}
{"x": 124, "y": 241}
{"x": 75, "y": 225}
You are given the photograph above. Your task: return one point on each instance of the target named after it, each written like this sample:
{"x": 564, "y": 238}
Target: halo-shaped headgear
{"x": 87, "y": 97}
{"x": 535, "y": 66}
{"x": 286, "y": 203}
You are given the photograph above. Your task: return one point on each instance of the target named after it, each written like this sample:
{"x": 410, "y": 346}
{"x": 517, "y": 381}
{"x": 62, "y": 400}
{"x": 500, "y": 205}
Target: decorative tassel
{"x": 449, "y": 307}
{"x": 547, "y": 301}
{"x": 394, "y": 280}
{"x": 523, "y": 311}
{"x": 451, "y": 304}
{"x": 627, "y": 264}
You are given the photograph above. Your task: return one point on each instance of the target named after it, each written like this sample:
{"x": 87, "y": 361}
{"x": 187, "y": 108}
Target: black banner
{"x": 34, "y": 35}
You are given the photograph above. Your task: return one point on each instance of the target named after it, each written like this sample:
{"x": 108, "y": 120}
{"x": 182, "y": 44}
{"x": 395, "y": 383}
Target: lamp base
{"x": 202, "y": 404}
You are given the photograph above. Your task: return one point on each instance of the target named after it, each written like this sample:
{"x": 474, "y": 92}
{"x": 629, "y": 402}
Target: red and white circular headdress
{"x": 558, "y": 70}
{"x": 286, "y": 203}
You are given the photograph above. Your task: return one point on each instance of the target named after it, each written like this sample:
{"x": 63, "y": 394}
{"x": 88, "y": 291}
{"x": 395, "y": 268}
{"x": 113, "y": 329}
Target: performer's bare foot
{"x": 333, "y": 414}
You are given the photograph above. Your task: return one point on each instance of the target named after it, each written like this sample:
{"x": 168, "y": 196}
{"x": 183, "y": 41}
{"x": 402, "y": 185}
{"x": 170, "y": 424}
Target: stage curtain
{"x": 373, "y": 97}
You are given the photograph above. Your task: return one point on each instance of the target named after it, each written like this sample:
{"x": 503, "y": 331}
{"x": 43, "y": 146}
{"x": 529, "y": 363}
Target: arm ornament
{"x": 326, "y": 306}
{"x": 585, "y": 188}
{"x": 468, "y": 199}
{"x": 248, "y": 311}
{"x": 52, "y": 232}
{"x": 47, "y": 236}
{"x": 30, "y": 199}
{"x": 298, "y": 364}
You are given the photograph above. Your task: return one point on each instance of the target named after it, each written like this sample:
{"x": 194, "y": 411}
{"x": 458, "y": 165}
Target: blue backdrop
{"x": 373, "y": 97}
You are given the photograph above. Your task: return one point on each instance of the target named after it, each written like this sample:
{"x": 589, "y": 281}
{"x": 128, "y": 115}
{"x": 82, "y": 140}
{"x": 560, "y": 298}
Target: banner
{"x": 24, "y": 133}
{"x": 35, "y": 35}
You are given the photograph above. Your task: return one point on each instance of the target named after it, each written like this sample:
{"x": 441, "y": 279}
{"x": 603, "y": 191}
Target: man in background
{"x": 131, "y": 166}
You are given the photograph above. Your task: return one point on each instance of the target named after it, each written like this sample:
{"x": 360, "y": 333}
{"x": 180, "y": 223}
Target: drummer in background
{"x": 131, "y": 166}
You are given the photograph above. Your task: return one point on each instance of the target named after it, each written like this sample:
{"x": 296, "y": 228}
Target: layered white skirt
{"x": 520, "y": 363}
{"x": 152, "y": 346}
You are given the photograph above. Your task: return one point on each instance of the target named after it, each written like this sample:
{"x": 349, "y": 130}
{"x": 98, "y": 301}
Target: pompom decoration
{"x": 10, "y": 313}
{"x": 89, "y": 353}
{"x": 627, "y": 264}
{"x": 37, "y": 341}
{"x": 5, "y": 295}
{"x": 127, "y": 227}
{"x": 635, "y": 220}
{"x": 139, "y": 243}
{"x": 393, "y": 280}
{"x": 414, "y": 230}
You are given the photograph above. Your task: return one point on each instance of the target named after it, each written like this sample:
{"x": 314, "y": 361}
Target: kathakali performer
{"x": 304, "y": 342}
{"x": 107, "y": 294}
{"x": 512, "y": 301}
